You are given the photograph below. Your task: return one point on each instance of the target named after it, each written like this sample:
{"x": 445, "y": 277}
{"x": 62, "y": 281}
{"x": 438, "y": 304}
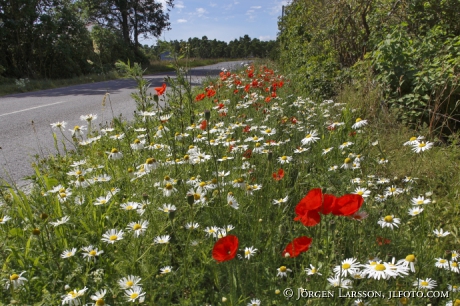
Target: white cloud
{"x": 182, "y": 20}
{"x": 180, "y": 5}
{"x": 256, "y": 7}
{"x": 276, "y": 9}
{"x": 201, "y": 11}
{"x": 265, "y": 37}
{"x": 212, "y": 4}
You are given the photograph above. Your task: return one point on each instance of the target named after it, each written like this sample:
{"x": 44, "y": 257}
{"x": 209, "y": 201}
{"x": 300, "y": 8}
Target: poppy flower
{"x": 383, "y": 241}
{"x": 328, "y": 203}
{"x": 160, "y": 90}
{"x": 278, "y": 176}
{"x": 297, "y": 246}
{"x": 225, "y": 248}
{"x": 246, "y": 129}
{"x": 309, "y": 217}
{"x": 203, "y": 125}
{"x": 347, "y": 204}
{"x": 200, "y": 97}
{"x": 210, "y": 93}
{"x": 247, "y": 153}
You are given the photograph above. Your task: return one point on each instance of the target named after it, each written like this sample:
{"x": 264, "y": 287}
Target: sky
{"x": 223, "y": 20}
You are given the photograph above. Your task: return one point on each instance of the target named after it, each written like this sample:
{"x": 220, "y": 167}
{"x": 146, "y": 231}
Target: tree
{"x": 132, "y": 17}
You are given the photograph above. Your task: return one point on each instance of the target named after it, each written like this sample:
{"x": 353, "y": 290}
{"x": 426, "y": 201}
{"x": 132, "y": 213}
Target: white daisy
{"x": 129, "y": 282}
{"x": 112, "y": 236}
{"x": 248, "y": 252}
{"x": 312, "y": 270}
{"x": 138, "y": 228}
{"x": 68, "y": 253}
{"x": 427, "y": 283}
{"x": 441, "y": 233}
{"x": 389, "y": 221}
{"x": 162, "y": 239}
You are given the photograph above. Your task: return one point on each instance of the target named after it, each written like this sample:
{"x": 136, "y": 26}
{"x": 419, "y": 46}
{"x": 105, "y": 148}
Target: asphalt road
{"x": 25, "y": 118}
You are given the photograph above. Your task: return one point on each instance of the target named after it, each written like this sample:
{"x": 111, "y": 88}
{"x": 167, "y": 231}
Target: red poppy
{"x": 383, "y": 241}
{"x": 246, "y": 129}
{"x": 268, "y": 99}
{"x": 246, "y": 88}
{"x": 297, "y": 246}
{"x": 235, "y": 91}
{"x": 160, "y": 90}
{"x": 225, "y": 248}
{"x": 200, "y": 97}
{"x": 307, "y": 210}
{"x": 278, "y": 176}
{"x": 293, "y": 120}
{"x": 203, "y": 125}
{"x": 210, "y": 93}
{"x": 328, "y": 203}
{"x": 347, "y": 204}
{"x": 250, "y": 74}
{"x": 247, "y": 153}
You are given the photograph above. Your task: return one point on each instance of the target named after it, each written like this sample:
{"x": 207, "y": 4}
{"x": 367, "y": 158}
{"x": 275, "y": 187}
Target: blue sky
{"x": 223, "y": 20}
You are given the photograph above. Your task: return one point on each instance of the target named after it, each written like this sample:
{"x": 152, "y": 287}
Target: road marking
{"x": 27, "y": 109}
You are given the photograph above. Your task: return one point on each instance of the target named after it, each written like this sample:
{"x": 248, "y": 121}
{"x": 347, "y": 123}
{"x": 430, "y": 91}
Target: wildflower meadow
{"x": 239, "y": 192}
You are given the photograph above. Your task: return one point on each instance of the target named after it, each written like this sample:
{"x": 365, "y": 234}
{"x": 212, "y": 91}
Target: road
{"x": 25, "y": 118}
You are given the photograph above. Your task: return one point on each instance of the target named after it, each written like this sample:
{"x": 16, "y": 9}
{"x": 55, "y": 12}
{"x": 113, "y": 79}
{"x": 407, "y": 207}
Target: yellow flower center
{"x": 136, "y": 141}
{"x": 424, "y": 284}
{"x": 308, "y": 136}
{"x": 160, "y": 127}
{"x": 283, "y": 269}
{"x": 380, "y": 267}
{"x": 442, "y": 261}
{"x": 247, "y": 252}
{"x": 103, "y": 202}
{"x": 347, "y": 160}
{"x": 113, "y": 237}
{"x": 255, "y": 138}
{"x": 76, "y": 128}
{"x": 167, "y": 178}
{"x": 100, "y": 302}
{"x": 186, "y": 157}
{"x": 454, "y": 264}
{"x": 421, "y": 145}
{"x": 358, "y": 120}
{"x": 129, "y": 283}
{"x": 284, "y": 157}
{"x": 92, "y": 253}
{"x": 196, "y": 196}
{"x": 199, "y": 136}
{"x": 388, "y": 219}
{"x": 360, "y": 193}
{"x": 14, "y": 277}
{"x": 313, "y": 270}
{"x": 114, "y": 151}
{"x": 413, "y": 139}
{"x": 169, "y": 186}
{"x": 457, "y": 302}
{"x": 138, "y": 226}
{"x": 202, "y": 184}
{"x": 268, "y": 131}
{"x": 346, "y": 266}
{"x": 410, "y": 258}
{"x": 62, "y": 194}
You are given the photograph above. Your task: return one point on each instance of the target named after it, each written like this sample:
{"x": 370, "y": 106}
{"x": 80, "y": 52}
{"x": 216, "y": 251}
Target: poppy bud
{"x": 35, "y": 232}
{"x": 207, "y": 114}
{"x": 270, "y": 156}
{"x": 190, "y": 199}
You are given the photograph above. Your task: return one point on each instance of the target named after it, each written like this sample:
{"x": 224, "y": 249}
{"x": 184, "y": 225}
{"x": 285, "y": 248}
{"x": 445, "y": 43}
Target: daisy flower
{"x": 90, "y": 252}
{"x": 137, "y": 144}
{"x": 254, "y": 302}
{"x": 166, "y": 270}
{"x": 68, "y": 253}
{"x": 359, "y": 123}
{"x": 453, "y": 288}
{"x": 360, "y": 302}
{"x": 282, "y": 271}
{"x": 422, "y": 146}
{"x": 349, "y": 265}
{"x": 129, "y": 282}
{"x": 285, "y": 159}
{"x": 4, "y": 219}
{"x": 248, "y": 252}
{"x": 72, "y": 298}
{"x": 88, "y": 118}
{"x": 167, "y": 208}
{"x": 325, "y": 151}
{"x": 345, "y": 145}
{"x": 112, "y": 235}
{"x": 268, "y": 132}
{"x": 16, "y": 280}
{"x": 420, "y": 200}
{"x": 442, "y": 263}
{"x": 232, "y": 202}
{"x": 59, "y": 125}
{"x": 389, "y": 221}
{"x": 454, "y": 266}
{"x": 378, "y": 270}
{"x": 211, "y": 231}
{"x": 393, "y": 191}
{"x": 310, "y": 138}
{"x": 162, "y": 239}
{"x": 337, "y": 281}
{"x": 362, "y": 192}
{"x": 441, "y": 233}
{"x": 118, "y": 136}
{"x": 415, "y": 211}
{"x": 168, "y": 189}
{"x": 98, "y": 297}
{"x": 130, "y": 206}
{"x": 103, "y": 200}
{"x": 114, "y": 154}
{"x": 427, "y": 283}
{"x": 134, "y": 293}
{"x": 192, "y": 226}
{"x": 347, "y": 163}
{"x": 138, "y": 228}
{"x": 312, "y": 270}
{"x": 407, "y": 262}
{"x": 77, "y": 131}
{"x": 281, "y": 200}
{"x": 414, "y": 140}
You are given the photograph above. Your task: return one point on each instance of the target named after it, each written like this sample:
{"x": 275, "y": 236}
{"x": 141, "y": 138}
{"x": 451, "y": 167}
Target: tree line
{"x": 68, "y": 38}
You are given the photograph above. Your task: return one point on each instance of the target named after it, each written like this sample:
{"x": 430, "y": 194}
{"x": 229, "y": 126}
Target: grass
{"x": 219, "y": 198}
{"x": 9, "y": 86}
